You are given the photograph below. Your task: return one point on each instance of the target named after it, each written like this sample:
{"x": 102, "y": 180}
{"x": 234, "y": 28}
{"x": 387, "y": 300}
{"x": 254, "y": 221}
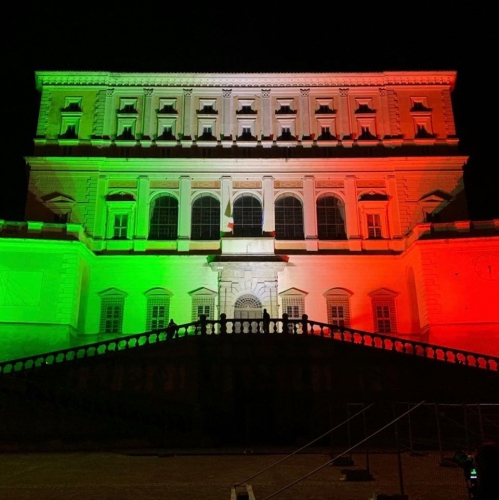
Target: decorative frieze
{"x": 164, "y": 184}
{"x": 227, "y": 80}
{"x": 288, "y": 184}
{"x": 205, "y": 184}
{"x": 247, "y": 184}
{"x": 117, "y": 183}
{"x": 329, "y": 184}
{"x": 371, "y": 183}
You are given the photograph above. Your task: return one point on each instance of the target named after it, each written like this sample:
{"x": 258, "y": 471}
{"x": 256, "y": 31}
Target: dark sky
{"x": 224, "y": 38}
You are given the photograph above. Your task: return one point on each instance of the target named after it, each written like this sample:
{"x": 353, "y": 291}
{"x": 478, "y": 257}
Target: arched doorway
{"x": 248, "y": 307}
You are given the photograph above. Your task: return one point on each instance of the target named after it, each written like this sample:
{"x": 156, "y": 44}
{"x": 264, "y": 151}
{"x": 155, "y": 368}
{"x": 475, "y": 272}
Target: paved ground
{"x": 137, "y": 475}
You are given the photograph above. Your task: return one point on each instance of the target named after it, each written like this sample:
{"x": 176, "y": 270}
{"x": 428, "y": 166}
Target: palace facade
{"x": 170, "y": 195}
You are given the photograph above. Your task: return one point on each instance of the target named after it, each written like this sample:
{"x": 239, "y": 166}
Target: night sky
{"x": 223, "y": 38}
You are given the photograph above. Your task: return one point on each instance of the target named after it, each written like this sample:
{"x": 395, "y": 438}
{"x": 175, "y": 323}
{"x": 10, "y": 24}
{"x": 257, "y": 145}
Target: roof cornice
{"x": 229, "y": 80}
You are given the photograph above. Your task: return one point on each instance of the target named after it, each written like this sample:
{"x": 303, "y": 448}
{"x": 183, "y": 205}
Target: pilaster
{"x": 393, "y": 208}
{"x": 107, "y": 128}
{"x": 187, "y": 114}
{"x": 304, "y": 113}
{"x": 142, "y": 212}
{"x": 268, "y": 205}
{"x": 344, "y": 114}
{"x": 184, "y": 209}
{"x": 148, "y": 114}
{"x": 227, "y": 112}
{"x": 100, "y": 208}
{"x": 351, "y": 208}
{"x": 310, "y": 214}
{"x": 266, "y": 113}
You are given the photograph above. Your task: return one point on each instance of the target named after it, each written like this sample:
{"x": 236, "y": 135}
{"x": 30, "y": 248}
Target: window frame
{"x": 157, "y": 297}
{"x": 384, "y": 312}
{"x": 339, "y": 208}
{"x": 338, "y": 297}
{"x": 374, "y": 207}
{"x": 203, "y": 298}
{"x": 211, "y": 212}
{"x": 156, "y": 235}
{"x": 284, "y": 219}
{"x": 112, "y": 300}
{"x": 120, "y": 208}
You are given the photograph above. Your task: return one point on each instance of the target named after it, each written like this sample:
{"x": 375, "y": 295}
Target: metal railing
{"x": 275, "y": 326}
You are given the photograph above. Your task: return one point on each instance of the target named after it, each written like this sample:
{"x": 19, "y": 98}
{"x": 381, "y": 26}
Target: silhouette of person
{"x": 266, "y": 321}
{"x": 171, "y": 329}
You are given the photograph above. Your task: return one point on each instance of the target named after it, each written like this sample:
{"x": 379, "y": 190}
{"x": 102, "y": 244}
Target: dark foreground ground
{"x": 153, "y": 474}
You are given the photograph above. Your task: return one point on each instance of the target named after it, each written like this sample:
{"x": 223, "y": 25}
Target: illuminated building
{"x": 162, "y": 195}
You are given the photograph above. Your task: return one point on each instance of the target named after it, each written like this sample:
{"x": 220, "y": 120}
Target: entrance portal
{"x": 247, "y": 307}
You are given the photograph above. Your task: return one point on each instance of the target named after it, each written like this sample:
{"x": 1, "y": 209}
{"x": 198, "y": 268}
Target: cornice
{"x": 229, "y": 80}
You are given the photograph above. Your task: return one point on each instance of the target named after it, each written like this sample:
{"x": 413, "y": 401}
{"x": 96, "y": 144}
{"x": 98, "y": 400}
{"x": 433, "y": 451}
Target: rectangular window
{"x": 204, "y": 310}
{"x": 158, "y": 311}
{"x": 384, "y": 313}
{"x": 338, "y": 305}
{"x": 383, "y": 319}
{"x": 338, "y": 315}
{"x": 203, "y": 304}
{"x": 158, "y": 317}
{"x": 128, "y": 105}
{"x": 293, "y": 306}
{"x": 120, "y": 226}
{"x": 111, "y": 316}
{"x": 374, "y": 226}
{"x": 293, "y": 312}
{"x": 127, "y": 133}
{"x": 61, "y": 218}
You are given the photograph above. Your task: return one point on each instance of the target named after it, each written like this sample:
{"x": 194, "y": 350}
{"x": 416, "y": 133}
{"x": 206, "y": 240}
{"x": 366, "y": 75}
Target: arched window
{"x": 330, "y": 218}
{"x": 164, "y": 218}
{"x": 205, "y": 223}
{"x": 247, "y": 216}
{"x": 288, "y": 218}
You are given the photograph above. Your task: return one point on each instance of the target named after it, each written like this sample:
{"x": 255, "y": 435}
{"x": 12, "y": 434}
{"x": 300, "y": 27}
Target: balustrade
{"x": 277, "y": 326}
